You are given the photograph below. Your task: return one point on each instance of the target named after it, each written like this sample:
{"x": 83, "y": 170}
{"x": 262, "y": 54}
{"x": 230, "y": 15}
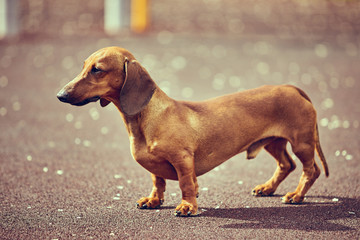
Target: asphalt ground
{"x": 66, "y": 172}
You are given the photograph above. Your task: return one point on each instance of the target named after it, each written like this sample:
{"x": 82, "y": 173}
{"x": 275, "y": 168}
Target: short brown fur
{"x": 181, "y": 140}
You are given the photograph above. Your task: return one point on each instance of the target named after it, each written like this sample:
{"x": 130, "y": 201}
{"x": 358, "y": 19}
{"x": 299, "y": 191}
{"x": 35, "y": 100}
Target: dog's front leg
{"x": 188, "y": 185}
{"x": 156, "y": 197}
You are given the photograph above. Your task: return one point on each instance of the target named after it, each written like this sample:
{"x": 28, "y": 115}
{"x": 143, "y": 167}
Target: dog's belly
{"x": 206, "y": 161}
{"x": 204, "y": 166}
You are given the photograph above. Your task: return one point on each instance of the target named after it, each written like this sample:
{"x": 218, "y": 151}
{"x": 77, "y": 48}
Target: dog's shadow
{"x": 316, "y": 216}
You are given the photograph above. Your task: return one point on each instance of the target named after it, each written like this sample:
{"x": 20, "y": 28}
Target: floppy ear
{"x": 137, "y": 90}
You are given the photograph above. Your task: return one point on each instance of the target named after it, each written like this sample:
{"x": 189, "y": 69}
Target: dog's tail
{"x": 317, "y": 138}
{"x": 320, "y": 152}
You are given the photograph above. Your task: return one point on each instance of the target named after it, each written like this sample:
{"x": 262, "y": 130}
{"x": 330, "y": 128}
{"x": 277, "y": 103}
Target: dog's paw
{"x": 292, "y": 198}
{"x": 149, "y": 203}
{"x": 263, "y": 190}
{"x": 186, "y": 209}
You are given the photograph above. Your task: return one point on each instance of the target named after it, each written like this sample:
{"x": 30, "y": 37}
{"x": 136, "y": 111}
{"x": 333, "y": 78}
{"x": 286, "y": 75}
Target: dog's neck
{"x": 136, "y": 124}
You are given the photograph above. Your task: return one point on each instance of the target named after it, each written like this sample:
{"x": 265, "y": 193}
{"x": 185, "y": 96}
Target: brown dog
{"x": 181, "y": 140}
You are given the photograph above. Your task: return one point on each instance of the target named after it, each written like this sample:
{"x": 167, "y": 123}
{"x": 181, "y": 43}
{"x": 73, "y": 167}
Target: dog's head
{"x": 110, "y": 75}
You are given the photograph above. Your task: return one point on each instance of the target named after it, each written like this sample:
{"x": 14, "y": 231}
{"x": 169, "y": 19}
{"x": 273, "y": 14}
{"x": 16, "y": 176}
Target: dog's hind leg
{"x": 305, "y": 152}
{"x": 285, "y": 165}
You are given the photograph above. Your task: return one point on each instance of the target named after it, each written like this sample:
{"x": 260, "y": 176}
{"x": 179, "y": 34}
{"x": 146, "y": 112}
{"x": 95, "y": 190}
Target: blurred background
{"x": 301, "y": 19}
{"x": 59, "y": 162}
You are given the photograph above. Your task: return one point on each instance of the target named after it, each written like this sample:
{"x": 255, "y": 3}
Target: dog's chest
{"x": 143, "y": 153}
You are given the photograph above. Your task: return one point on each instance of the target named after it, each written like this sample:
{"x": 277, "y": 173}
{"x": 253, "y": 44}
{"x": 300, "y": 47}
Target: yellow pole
{"x": 139, "y": 15}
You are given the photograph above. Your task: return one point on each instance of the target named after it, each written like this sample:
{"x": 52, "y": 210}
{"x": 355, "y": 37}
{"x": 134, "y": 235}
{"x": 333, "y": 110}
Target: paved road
{"x": 66, "y": 172}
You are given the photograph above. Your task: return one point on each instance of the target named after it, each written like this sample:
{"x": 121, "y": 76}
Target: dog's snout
{"x": 63, "y": 96}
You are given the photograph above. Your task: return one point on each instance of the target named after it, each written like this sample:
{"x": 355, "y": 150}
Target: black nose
{"x": 63, "y": 96}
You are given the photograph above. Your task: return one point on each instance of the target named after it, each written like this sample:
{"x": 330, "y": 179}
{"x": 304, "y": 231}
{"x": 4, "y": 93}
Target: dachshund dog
{"x": 181, "y": 140}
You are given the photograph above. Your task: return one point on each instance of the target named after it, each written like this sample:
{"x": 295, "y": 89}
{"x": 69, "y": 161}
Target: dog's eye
{"x": 95, "y": 70}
